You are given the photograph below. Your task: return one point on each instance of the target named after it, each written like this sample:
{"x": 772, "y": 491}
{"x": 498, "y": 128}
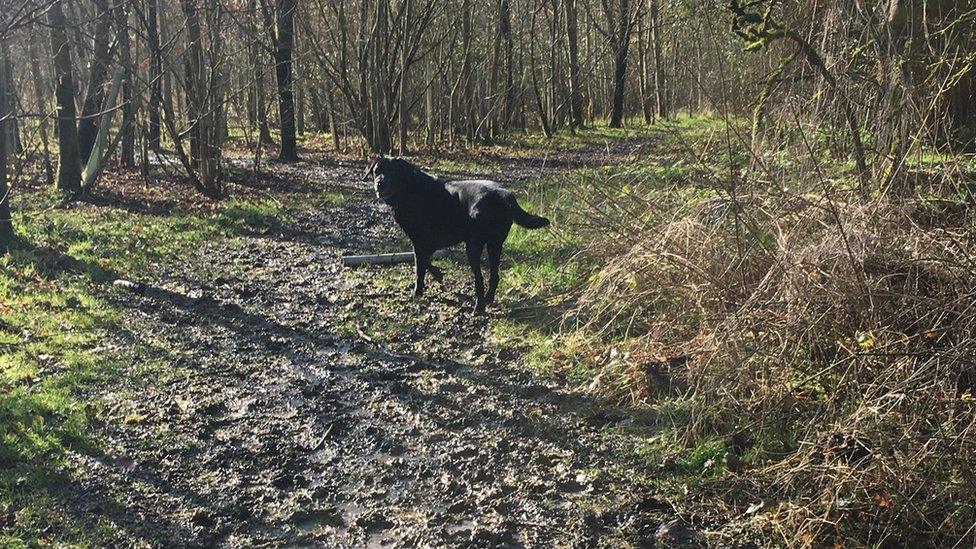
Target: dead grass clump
{"x": 839, "y": 334}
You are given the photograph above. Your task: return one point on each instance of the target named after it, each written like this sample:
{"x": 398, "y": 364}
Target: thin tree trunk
{"x": 299, "y": 85}
{"x": 575, "y": 89}
{"x": 404, "y": 76}
{"x": 155, "y": 73}
{"x": 506, "y": 31}
{"x": 128, "y": 108}
{"x": 6, "y": 219}
{"x": 332, "y": 121}
{"x": 467, "y": 107}
{"x": 381, "y": 127}
{"x": 643, "y": 78}
{"x": 660, "y": 94}
{"x": 203, "y": 152}
{"x": 554, "y": 101}
{"x": 492, "y": 93}
{"x": 40, "y": 97}
{"x": 543, "y": 117}
{"x": 68, "y": 179}
{"x": 285, "y": 32}
{"x": 429, "y": 105}
{"x": 95, "y": 92}
{"x": 13, "y": 126}
{"x": 621, "y": 45}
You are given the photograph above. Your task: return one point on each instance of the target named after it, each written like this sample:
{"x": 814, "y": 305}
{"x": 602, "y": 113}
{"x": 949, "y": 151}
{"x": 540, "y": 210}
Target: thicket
{"x": 802, "y": 288}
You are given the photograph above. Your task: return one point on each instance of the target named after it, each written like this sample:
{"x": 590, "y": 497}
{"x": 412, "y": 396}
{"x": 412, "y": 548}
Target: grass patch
{"x": 599, "y": 133}
{"x": 60, "y": 343}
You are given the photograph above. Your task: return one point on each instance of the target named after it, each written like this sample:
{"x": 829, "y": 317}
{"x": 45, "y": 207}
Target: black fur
{"x": 437, "y": 214}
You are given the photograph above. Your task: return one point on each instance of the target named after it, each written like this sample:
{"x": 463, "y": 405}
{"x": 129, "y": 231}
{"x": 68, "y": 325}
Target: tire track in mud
{"x": 266, "y": 425}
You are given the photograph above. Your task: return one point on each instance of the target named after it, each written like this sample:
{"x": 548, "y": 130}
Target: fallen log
{"x": 384, "y": 259}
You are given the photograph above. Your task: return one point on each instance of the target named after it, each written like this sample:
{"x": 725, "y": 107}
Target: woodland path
{"x": 258, "y": 420}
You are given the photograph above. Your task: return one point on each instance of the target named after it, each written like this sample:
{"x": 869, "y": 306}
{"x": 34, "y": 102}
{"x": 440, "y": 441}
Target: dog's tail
{"x": 523, "y": 217}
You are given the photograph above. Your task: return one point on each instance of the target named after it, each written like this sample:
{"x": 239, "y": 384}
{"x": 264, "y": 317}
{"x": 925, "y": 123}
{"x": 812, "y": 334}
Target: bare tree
{"x": 660, "y": 94}
{"x": 281, "y": 29}
{"x": 204, "y": 164}
{"x": 155, "y": 72}
{"x": 97, "y": 73}
{"x": 575, "y": 87}
{"x": 620, "y": 24}
{"x": 68, "y": 179}
{"x": 40, "y": 98}
{"x": 6, "y": 218}
{"x": 127, "y": 134}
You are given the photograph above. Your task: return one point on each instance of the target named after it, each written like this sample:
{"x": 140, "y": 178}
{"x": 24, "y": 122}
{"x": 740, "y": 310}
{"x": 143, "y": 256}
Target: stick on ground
{"x": 384, "y": 259}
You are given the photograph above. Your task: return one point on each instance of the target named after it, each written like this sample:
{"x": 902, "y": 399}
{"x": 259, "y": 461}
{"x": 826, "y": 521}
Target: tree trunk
{"x": 467, "y": 100}
{"x": 155, "y": 72}
{"x": 543, "y": 116}
{"x": 40, "y": 97}
{"x": 429, "y": 105}
{"x": 643, "y": 78}
{"x": 620, "y": 46}
{"x": 380, "y": 86}
{"x": 6, "y": 220}
{"x": 285, "y": 33}
{"x": 660, "y": 95}
{"x": 13, "y": 126}
{"x": 333, "y": 129}
{"x": 493, "y": 107}
{"x": 256, "y": 99}
{"x": 575, "y": 89}
{"x": 554, "y": 80}
{"x": 68, "y": 179}
{"x": 404, "y": 76}
{"x": 300, "y": 91}
{"x": 95, "y": 94}
{"x": 128, "y": 109}
{"x": 203, "y": 151}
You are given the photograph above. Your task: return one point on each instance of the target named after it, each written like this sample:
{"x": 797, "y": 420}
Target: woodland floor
{"x": 257, "y": 409}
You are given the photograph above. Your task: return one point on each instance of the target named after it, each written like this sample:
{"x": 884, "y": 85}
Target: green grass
{"x": 597, "y": 134}
{"x": 460, "y": 166}
{"x": 53, "y": 329}
{"x": 57, "y": 344}
{"x": 544, "y": 267}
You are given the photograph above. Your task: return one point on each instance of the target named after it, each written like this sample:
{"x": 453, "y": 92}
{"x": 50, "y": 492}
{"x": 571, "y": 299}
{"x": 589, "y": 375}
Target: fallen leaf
{"x": 881, "y": 499}
{"x": 134, "y": 419}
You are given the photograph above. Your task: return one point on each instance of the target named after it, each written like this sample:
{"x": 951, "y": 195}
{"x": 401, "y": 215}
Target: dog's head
{"x": 391, "y": 177}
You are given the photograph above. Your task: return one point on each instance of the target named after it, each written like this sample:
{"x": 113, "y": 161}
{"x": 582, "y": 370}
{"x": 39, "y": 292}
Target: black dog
{"x": 437, "y": 214}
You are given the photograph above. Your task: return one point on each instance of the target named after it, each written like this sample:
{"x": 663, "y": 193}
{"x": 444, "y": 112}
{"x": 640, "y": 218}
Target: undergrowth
{"x": 801, "y": 355}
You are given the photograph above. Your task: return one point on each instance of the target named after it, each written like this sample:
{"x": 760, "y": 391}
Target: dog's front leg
{"x": 421, "y": 262}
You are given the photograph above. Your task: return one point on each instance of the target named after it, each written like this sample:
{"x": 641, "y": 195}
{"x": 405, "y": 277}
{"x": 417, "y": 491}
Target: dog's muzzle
{"x": 383, "y": 192}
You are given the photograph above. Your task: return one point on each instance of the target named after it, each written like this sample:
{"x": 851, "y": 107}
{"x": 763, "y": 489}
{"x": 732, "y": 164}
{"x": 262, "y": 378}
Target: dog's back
{"x": 490, "y": 200}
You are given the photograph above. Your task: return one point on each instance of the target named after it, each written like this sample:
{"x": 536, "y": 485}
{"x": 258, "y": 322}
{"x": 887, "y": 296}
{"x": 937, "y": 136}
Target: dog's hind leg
{"x": 494, "y": 259}
{"x": 436, "y": 272}
{"x": 474, "y": 249}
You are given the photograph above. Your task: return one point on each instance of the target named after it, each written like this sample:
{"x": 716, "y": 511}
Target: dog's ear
{"x": 370, "y": 170}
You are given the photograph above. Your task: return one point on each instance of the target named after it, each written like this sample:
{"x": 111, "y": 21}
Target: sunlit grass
{"x": 58, "y": 340}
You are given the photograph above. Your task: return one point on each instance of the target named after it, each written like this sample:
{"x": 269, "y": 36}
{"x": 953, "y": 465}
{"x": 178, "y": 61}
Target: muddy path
{"x": 262, "y": 416}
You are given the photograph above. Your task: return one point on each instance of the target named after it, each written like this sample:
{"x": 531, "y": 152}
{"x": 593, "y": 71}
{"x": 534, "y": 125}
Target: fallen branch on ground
{"x": 384, "y": 259}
